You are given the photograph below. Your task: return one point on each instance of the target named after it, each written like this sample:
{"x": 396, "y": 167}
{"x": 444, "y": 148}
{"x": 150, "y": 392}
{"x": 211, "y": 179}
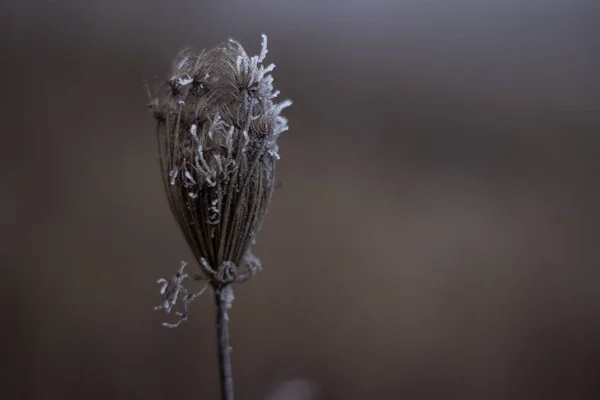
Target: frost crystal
{"x": 185, "y": 81}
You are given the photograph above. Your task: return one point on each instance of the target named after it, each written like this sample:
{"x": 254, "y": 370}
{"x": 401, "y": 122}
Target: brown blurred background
{"x": 435, "y": 235}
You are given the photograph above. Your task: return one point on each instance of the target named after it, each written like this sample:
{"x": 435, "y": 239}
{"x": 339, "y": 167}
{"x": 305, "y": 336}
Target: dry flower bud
{"x": 217, "y": 133}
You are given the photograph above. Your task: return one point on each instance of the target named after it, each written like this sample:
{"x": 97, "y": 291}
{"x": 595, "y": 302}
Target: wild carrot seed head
{"x": 217, "y": 128}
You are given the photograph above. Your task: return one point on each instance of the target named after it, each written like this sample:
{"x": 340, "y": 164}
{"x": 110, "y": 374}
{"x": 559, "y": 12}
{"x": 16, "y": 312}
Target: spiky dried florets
{"x": 217, "y": 131}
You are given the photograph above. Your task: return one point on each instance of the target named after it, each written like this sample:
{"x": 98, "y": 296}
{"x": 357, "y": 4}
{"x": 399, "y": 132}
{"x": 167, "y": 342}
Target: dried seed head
{"x": 217, "y": 133}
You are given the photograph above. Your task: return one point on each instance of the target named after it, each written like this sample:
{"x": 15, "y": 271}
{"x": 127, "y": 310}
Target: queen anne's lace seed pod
{"x": 217, "y": 133}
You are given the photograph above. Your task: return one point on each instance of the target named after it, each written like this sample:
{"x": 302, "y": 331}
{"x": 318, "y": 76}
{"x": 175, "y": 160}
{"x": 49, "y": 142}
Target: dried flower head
{"x": 217, "y": 132}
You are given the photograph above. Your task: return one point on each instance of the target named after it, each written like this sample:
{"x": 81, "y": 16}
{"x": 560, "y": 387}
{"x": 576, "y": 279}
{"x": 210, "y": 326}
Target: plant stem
{"x": 224, "y": 298}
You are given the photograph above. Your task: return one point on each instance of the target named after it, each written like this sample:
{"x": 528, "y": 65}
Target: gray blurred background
{"x": 435, "y": 235}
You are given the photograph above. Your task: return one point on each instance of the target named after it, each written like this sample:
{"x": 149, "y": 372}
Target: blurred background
{"x": 435, "y": 235}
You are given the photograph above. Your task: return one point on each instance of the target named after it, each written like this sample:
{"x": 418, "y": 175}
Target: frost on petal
{"x": 284, "y": 104}
{"x": 189, "y": 176}
{"x": 273, "y": 153}
{"x": 263, "y": 71}
{"x": 185, "y": 81}
{"x": 238, "y": 65}
{"x": 246, "y": 139}
{"x": 173, "y": 174}
{"x": 219, "y": 164}
{"x": 263, "y": 50}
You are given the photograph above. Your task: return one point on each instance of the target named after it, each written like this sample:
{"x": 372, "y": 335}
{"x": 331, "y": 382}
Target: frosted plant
{"x": 217, "y": 130}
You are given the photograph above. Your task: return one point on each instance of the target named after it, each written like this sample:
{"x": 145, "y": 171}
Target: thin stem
{"x": 224, "y": 298}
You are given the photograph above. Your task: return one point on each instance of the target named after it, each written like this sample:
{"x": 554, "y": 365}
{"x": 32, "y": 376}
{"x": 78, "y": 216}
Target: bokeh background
{"x": 435, "y": 235}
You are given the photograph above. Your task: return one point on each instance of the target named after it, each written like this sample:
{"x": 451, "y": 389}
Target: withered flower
{"x": 218, "y": 127}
